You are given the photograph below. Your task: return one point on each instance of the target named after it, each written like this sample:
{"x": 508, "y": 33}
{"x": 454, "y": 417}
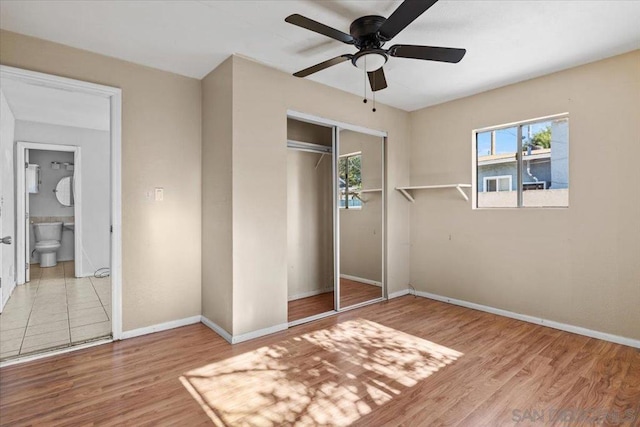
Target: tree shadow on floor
{"x": 332, "y": 376}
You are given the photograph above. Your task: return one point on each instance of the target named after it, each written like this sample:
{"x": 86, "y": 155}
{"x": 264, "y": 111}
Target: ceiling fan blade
{"x": 317, "y": 27}
{"x": 321, "y": 66}
{"x": 377, "y": 79}
{"x": 429, "y": 53}
{"x": 404, "y": 15}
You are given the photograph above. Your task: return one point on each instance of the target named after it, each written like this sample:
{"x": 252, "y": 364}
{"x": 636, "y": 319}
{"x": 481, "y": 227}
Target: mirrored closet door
{"x": 360, "y": 172}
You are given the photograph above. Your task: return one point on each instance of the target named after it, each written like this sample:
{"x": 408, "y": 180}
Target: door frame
{"x": 114, "y": 95}
{"x": 21, "y": 193}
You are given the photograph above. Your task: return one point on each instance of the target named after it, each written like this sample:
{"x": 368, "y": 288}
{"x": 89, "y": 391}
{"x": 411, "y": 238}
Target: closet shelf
{"x": 406, "y": 190}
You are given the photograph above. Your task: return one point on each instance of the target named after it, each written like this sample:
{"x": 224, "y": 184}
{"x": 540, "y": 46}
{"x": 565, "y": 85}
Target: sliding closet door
{"x": 310, "y": 206}
{"x": 360, "y": 172}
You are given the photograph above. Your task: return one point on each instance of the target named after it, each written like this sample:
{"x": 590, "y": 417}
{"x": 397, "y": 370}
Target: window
{"x": 523, "y": 165}
{"x": 497, "y": 183}
{"x": 350, "y": 180}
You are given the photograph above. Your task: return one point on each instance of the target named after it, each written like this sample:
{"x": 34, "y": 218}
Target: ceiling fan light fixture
{"x": 370, "y": 61}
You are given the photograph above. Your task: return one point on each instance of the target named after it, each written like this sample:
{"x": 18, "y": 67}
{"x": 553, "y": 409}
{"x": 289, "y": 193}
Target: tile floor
{"x": 54, "y": 310}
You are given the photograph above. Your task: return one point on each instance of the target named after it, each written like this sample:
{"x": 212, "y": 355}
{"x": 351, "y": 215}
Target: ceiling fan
{"x": 369, "y": 33}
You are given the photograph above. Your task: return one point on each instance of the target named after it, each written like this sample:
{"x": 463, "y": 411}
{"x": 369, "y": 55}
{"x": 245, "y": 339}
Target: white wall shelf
{"x": 406, "y": 191}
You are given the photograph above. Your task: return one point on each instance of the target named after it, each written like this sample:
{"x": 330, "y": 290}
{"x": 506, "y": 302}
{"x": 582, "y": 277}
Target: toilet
{"x": 48, "y": 236}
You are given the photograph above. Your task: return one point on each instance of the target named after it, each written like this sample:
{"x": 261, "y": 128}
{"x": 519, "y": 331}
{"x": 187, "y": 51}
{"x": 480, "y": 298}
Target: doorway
{"x": 66, "y": 233}
{"x": 336, "y": 228}
{"x": 49, "y": 198}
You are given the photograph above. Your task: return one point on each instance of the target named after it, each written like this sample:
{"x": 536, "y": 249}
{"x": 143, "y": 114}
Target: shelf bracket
{"x": 320, "y": 160}
{"x": 462, "y": 193}
{"x": 406, "y": 194}
{"x": 405, "y": 190}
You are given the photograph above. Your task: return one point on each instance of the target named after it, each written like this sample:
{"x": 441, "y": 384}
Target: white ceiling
{"x": 506, "y": 40}
{"x": 41, "y": 104}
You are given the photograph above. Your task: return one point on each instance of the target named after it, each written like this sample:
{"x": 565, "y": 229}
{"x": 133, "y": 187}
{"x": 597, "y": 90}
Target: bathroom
{"x": 49, "y": 183}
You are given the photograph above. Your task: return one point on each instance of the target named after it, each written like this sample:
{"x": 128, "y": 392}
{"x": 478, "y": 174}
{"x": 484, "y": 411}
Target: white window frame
{"x": 474, "y": 160}
{"x": 496, "y": 177}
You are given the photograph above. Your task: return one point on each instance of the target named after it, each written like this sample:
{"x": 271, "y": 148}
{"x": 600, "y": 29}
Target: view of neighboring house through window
{"x": 538, "y": 177}
{"x": 497, "y": 183}
{"x": 350, "y": 180}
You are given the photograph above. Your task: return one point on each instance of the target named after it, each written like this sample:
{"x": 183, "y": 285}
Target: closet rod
{"x": 308, "y": 146}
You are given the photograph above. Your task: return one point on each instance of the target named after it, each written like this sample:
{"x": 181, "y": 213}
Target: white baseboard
{"x": 361, "y": 280}
{"x": 309, "y": 294}
{"x": 400, "y": 293}
{"x": 538, "y": 321}
{"x": 259, "y": 333}
{"x": 217, "y": 329}
{"x": 160, "y": 327}
{"x": 84, "y": 274}
{"x": 207, "y": 322}
{"x": 235, "y": 339}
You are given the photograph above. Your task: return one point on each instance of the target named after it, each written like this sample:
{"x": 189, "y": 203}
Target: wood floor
{"x": 351, "y": 293}
{"x": 409, "y": 361}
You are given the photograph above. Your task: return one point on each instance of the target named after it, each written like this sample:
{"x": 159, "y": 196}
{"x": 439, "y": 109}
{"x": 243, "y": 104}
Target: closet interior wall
{"x": 309, "y": 213}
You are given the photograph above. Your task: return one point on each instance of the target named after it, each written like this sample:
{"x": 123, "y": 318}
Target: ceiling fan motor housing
{"x": 365, "y": 32}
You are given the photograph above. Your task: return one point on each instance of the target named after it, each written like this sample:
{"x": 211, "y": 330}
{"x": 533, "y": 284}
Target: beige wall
{"x": 580, "y": 265}
{"x": 217, "y": 262}
{"x": 309, "y": 224}
{"x": 261, "y": 97}
{"x": 161, "y": 146}
{"x": 361, "y": 229}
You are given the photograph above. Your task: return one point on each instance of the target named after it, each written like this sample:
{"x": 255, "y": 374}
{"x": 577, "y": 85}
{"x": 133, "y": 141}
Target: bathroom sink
{"x": 68, "y": 226}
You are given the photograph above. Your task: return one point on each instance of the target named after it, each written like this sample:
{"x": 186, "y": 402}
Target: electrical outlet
{"x": 159, "y": 191}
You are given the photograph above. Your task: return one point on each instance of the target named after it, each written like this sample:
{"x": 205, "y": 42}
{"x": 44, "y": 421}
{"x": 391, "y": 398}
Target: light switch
{"x": 159, "y": 194}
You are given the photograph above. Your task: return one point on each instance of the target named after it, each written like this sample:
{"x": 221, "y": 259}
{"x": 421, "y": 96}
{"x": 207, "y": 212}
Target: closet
{"x": 335, "y": 219}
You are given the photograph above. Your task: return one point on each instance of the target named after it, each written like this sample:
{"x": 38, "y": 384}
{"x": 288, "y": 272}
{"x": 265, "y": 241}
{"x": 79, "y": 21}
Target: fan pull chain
{"x": 374, "y": 102}
{"x": 365, "y": 80}
{"x": 374, "y": 93}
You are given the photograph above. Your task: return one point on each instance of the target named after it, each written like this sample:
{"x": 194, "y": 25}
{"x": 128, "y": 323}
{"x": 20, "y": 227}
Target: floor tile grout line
{"x": 91, "y": 324}
{"x": 101, "y": 302}
{"x": 30, "y": 350}
{"x": 24, "y": 335}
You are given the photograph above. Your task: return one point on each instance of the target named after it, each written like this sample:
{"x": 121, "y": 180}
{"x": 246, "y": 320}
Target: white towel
{"x": 33, "y": 178}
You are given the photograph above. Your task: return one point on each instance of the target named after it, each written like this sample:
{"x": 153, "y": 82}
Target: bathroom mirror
{"x": 64, "y": 191}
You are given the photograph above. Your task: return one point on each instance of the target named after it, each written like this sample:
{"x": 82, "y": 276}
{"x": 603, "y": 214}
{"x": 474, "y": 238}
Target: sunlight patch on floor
{"x": 330, "y": 376}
